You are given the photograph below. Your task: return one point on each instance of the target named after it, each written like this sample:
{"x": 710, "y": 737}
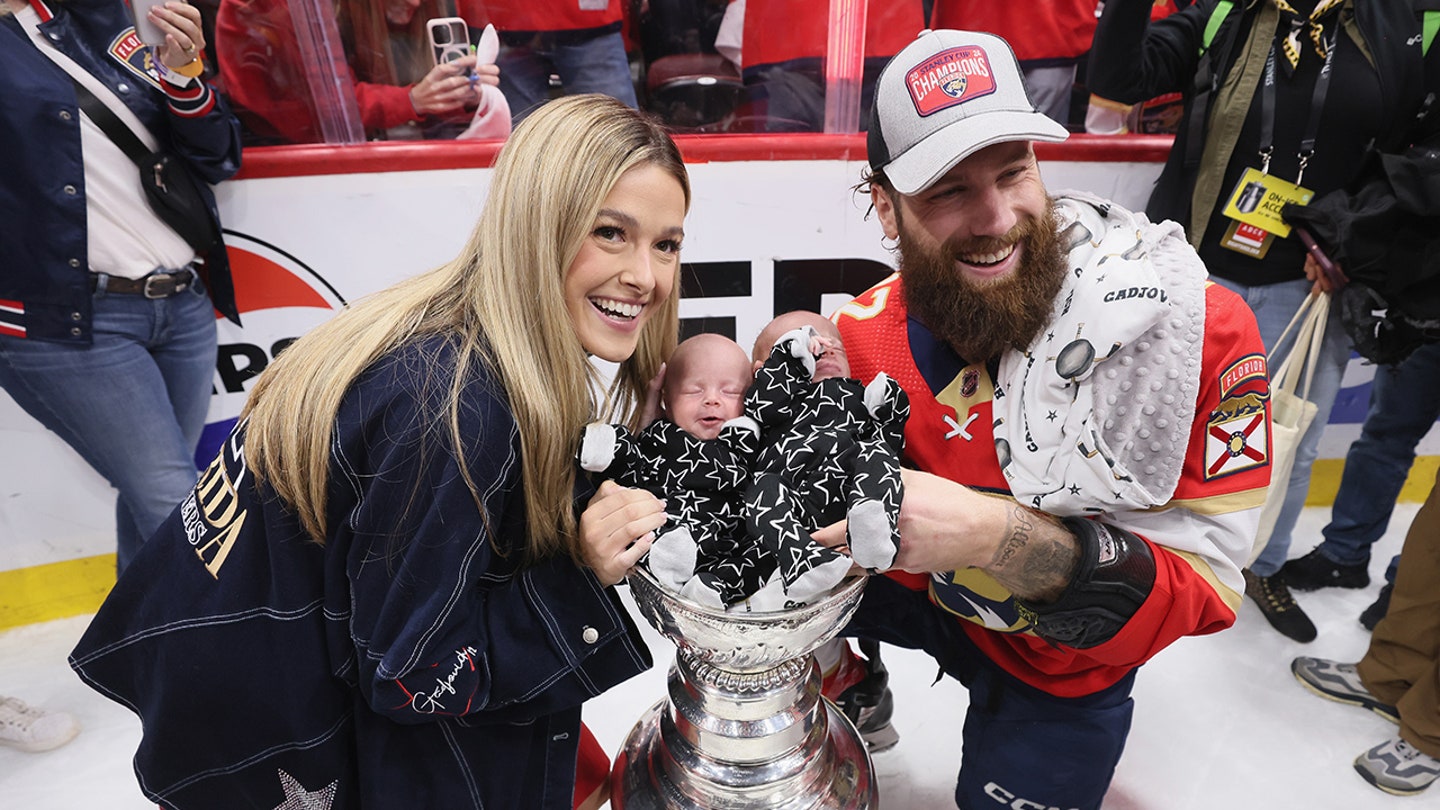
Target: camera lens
{"x": 442, "y": 35}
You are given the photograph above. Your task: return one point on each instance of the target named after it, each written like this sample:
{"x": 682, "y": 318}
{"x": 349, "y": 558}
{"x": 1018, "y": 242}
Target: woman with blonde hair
{"x": 391, "y": 589}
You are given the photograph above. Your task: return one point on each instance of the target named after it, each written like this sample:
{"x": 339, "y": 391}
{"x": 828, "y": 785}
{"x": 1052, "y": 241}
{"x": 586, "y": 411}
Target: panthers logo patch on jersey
{"x": 136, "y": 56}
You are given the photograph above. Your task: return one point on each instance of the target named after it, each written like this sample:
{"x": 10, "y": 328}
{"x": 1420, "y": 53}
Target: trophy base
{"x": 657, "y": 770}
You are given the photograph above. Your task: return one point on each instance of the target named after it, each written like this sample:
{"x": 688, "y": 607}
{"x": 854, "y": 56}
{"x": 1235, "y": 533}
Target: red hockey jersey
{"x": 1199, "y": 538}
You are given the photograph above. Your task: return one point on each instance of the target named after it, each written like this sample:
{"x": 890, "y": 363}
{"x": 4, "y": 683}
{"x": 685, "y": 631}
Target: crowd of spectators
{"x": 699, "y": 65}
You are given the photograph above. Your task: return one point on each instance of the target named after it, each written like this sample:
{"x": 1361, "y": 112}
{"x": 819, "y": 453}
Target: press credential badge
{"x": 1254, "y": 208}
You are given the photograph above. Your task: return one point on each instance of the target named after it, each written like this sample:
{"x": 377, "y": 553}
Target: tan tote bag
{"x": 1291, "y": 410}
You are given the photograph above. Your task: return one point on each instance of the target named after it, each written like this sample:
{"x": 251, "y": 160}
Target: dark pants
{"x": 1019, "y": 744}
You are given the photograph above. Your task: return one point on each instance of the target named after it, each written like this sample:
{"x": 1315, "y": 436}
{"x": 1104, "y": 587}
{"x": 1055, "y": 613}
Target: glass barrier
{"x": 348, "y": 71}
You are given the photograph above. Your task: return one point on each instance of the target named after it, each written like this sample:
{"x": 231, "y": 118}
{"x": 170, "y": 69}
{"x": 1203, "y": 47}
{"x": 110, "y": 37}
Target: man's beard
{"x": 980, "y": 320}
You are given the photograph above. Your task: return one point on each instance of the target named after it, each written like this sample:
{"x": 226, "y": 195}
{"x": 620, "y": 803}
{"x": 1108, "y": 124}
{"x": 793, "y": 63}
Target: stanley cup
{"x": 744, "y": 726}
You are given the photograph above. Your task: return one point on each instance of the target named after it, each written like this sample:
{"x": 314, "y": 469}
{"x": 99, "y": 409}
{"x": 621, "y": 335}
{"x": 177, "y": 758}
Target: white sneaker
{"x": 30, "y": 729}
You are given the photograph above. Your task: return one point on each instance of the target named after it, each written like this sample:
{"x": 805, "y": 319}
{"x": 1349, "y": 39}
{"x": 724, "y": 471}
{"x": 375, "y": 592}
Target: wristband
{"x": 192, "y": 68}
{"x": 1113, "y": 579}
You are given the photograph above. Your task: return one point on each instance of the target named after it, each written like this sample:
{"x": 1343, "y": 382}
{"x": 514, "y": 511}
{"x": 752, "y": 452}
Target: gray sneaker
{"x": 1339, "y": 682}
{"x": 1397, "y": 767}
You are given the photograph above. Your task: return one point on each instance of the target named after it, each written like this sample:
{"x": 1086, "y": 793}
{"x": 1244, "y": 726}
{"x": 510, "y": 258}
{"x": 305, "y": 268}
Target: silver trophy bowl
{"x": 744, "y": 725}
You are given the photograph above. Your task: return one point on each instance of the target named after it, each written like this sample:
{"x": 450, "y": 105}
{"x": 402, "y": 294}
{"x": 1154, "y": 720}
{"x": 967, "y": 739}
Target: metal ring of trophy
{"x": 744, "y": 642}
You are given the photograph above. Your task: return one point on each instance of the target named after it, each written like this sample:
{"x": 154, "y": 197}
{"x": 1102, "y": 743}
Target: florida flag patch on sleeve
{"x": 1237, "y": 435}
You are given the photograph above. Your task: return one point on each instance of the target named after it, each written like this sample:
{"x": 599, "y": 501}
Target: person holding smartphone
{"x": 401, "y": 90}
{"x": 107, "y": 333}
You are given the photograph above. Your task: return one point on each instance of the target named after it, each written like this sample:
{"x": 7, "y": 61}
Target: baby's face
{"x": 832, "y": 361}
{"x": 705, "y": 396}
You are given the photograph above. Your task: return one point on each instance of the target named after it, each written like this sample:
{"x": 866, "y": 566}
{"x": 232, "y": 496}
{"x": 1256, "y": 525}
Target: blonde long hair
{"x": 502, "y": 301}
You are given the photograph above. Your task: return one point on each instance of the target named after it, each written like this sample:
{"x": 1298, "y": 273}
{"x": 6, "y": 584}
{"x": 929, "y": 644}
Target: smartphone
{"x": 150, "y": 34}
{"x": 449, "y": 39}
{"x": 1332, "y": 272}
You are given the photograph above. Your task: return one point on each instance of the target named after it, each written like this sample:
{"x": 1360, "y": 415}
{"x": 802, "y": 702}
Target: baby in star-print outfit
{"x": 698, "y": 459}
{"x": 830, "y": 449}
{"x": 744, "y": 490}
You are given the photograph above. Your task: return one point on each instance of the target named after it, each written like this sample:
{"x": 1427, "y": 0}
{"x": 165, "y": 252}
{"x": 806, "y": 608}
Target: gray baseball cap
{"x": 945, "y": 96}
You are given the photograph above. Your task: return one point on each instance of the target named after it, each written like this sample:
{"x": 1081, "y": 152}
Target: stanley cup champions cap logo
{"x": 953, "y": 76}
{"x": 945, "y": 96}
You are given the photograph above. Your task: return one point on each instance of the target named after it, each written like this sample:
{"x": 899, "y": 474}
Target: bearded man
{"x": 1089, "y": 428}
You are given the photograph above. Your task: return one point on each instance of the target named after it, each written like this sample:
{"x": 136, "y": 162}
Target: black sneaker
{"x": 1278, "y": 606}
{"x": 1372, "y": 615}
{"x": 1315, "y": 571}
{"x": 869, "y": 704}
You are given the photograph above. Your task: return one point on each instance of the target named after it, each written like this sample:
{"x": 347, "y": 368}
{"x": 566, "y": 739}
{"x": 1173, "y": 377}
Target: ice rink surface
{"x": 1219, "y": 720}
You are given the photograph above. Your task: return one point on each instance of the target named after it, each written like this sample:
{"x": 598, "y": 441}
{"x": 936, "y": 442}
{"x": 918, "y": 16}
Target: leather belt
{"x": 155, "y": 285}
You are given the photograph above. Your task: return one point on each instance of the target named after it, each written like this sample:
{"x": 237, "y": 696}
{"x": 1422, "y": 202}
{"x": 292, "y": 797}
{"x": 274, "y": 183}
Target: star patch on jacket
{"x": 298, "y": 798}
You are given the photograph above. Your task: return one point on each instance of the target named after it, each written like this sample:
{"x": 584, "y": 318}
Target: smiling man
{"x": 1085, "y": 482}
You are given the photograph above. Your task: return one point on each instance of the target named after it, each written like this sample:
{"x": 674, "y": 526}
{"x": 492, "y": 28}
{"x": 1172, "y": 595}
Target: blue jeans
{"x": 584, "y": 65}
{"x": 132, "y": 404}
{"x": 1274, "y": 305}
{"x": 1404, "y": 404}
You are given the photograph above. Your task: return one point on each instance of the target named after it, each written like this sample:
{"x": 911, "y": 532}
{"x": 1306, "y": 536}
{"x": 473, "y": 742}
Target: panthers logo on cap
{"x": 953, "y": 76}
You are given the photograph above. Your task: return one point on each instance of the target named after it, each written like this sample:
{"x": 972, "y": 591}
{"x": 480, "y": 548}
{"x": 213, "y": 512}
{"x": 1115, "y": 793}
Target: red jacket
{"x": 1040, "y": 30}
{"x": 782, "y": 30}
{"x": 550, "y": 15}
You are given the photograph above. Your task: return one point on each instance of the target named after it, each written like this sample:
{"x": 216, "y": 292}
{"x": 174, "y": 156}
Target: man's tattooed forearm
{"x": 1017, "y": 535}
{"x": 1037, "y": 557}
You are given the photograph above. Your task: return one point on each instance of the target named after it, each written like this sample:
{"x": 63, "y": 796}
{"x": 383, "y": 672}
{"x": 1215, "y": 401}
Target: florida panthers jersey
{"x": 1199, "y": 539}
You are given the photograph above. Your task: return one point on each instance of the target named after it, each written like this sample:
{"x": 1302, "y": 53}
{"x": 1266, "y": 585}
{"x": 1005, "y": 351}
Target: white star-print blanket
{"x": 1095, "y": 415}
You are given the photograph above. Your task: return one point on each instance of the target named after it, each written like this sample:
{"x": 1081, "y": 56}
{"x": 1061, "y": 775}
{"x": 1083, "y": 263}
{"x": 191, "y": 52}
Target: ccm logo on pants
{"x": 1014, "y": 802}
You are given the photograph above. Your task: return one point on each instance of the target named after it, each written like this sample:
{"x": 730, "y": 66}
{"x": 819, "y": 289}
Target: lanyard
{"x": 1312, "y": 126}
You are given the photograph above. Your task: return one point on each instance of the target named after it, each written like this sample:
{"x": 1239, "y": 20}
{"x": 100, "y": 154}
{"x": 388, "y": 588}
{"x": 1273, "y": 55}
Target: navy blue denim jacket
{"x": 409, "y": 662}
{"x": 45, "y": 287}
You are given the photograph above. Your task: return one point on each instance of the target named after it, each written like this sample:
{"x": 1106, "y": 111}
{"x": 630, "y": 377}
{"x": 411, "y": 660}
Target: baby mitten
{"x": 598, "y": 446}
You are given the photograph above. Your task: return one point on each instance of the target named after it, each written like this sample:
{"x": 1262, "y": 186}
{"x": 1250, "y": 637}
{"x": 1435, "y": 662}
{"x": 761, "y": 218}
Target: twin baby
{"x": 751, "y": 458}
